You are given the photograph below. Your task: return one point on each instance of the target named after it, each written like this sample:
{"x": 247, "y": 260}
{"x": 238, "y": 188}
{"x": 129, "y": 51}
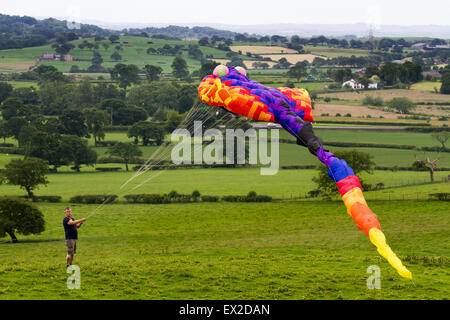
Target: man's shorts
{"x": 71, "y": 246}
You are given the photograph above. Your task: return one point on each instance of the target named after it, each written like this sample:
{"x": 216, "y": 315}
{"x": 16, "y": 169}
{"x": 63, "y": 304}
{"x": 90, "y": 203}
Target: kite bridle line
{"x": 164, "y": 153}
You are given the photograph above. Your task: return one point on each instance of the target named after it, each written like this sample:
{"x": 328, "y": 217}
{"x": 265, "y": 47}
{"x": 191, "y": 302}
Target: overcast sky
{"x": 240, "y": 12}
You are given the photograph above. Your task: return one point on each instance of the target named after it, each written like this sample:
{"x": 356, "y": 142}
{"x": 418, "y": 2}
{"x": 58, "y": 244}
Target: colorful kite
{"x": 291, "y": 108}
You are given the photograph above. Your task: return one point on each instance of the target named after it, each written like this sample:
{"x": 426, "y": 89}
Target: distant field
{"x": 336, "y": 52}
{"x": 262, "y": 49}
{"x": 132, "y": 52}
{"x": 285, "y": 183}
{"x": 23, "y": 84}
{"x": 414, "y": 95}
{"x": 16, "y": 66}
{"x": 366, "y": 136}
{"x": 248, "y": 63}
{"x": 292, "y": 58}
{"x": 427, "y": 86}
{"x": 355, "y": 111}
{"x": 381, "y": 121}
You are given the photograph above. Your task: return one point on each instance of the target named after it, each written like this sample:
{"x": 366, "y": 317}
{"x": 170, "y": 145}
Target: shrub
{"x": 442, "y": 196}
{"x": 12, "y": 150}
{"x": 94, "y": 199}
{"x": 251, "y": 194}
{"x": 173, "y": 194}
{"x": 53, "y": 199}
{"x": 348, "y": 115}
{"x": 232, "y": 198}
{"x": 210, "y": 198}
{"x": 106, "y": 143}
{"x": 251, "y": 197}
{"x": 146, "y": 198}
{"x": 108, "y": 169}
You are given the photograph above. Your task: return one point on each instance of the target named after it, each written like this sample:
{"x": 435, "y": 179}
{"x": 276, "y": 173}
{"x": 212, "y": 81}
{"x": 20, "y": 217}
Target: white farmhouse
{"x": 354, "y": 84}
{"x": 372, "y": 85}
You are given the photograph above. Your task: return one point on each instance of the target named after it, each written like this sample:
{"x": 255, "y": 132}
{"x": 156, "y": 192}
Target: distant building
{"x": 47, "y": 57}
{"x": 419, "y": 46}
{"x": 373, "y": 85}
{"x": 354, "y": 84}
{"x": 432, "y": 74}
{"x": 55, "y": 57}
{"x": 399, "y": 61}
{"x": 361, "y": 72}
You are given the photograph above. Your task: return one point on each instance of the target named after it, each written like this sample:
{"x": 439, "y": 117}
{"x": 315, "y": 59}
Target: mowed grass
{"x": 427, "y": 86}
{"x": 288, "y": 250}
{"x": 291, "y": 154}
{"x": 418, "y": 139}
{"x": 214, "y": 181}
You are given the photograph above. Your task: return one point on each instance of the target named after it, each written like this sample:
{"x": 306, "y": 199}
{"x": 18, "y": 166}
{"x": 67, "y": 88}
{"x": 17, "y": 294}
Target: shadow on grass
{"x": 5, "y": 242}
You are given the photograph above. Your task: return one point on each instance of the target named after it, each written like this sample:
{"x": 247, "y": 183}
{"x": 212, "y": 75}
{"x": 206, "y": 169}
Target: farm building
{"x": 431, "y": 74}
{"x": 419, "y": 46}
{"x": 361, "y": 72}
{"x": 55, "y": 57}
{"x": 354, "y": 84}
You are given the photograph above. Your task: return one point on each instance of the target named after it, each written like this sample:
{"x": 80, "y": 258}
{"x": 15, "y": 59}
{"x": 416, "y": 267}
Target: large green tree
{"x": 179, "y": 68}
{"x": 125, "y": 75}
{"x": 96, "y": 120}
{"x": 27, "y": 173}
{"x": 4, "y": 131}
{"x": 5, "y": 90}
{"x": 19, "y": 216}
{"x": 147, "y": 131}
{"x": 445, "y": 87}
{"x": 73, "y": 122}
{"x": 127, "y": 151}
{"x": 402, "y": 105}
{"x": 152, "y": 73}
{"x": 76, "y": 151}
{"x": 297, "y": 71}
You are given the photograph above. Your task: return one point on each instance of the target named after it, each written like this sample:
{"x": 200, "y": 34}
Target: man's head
{"x": 68, "y": 212}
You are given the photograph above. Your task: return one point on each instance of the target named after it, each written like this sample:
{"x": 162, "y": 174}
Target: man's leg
{"x": 70, "y": 251}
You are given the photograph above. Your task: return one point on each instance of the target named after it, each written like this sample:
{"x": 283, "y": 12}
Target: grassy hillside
{"x": 231, "y": 251}
{"x": 133, "y": 52}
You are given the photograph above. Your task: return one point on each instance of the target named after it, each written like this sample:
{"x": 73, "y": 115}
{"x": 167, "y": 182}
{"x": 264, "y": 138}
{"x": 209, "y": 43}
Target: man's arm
{"x": 72, "y": 222}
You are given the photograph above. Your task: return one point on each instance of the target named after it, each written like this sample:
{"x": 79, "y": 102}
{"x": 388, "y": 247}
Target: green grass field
{"x": 427, "y": 86}
{"x": 336, "y": 52}
{"x": 133, "y": 52}
{"x": 289, "y": 250}
{"x": 215, "y": 181}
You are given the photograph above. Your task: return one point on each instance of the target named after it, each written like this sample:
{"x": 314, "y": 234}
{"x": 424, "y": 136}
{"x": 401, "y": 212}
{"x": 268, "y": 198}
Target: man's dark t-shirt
{"x": 70, "y": 230}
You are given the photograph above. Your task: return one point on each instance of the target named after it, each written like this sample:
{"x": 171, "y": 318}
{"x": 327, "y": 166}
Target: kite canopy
{"x": 230, "y": 88}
